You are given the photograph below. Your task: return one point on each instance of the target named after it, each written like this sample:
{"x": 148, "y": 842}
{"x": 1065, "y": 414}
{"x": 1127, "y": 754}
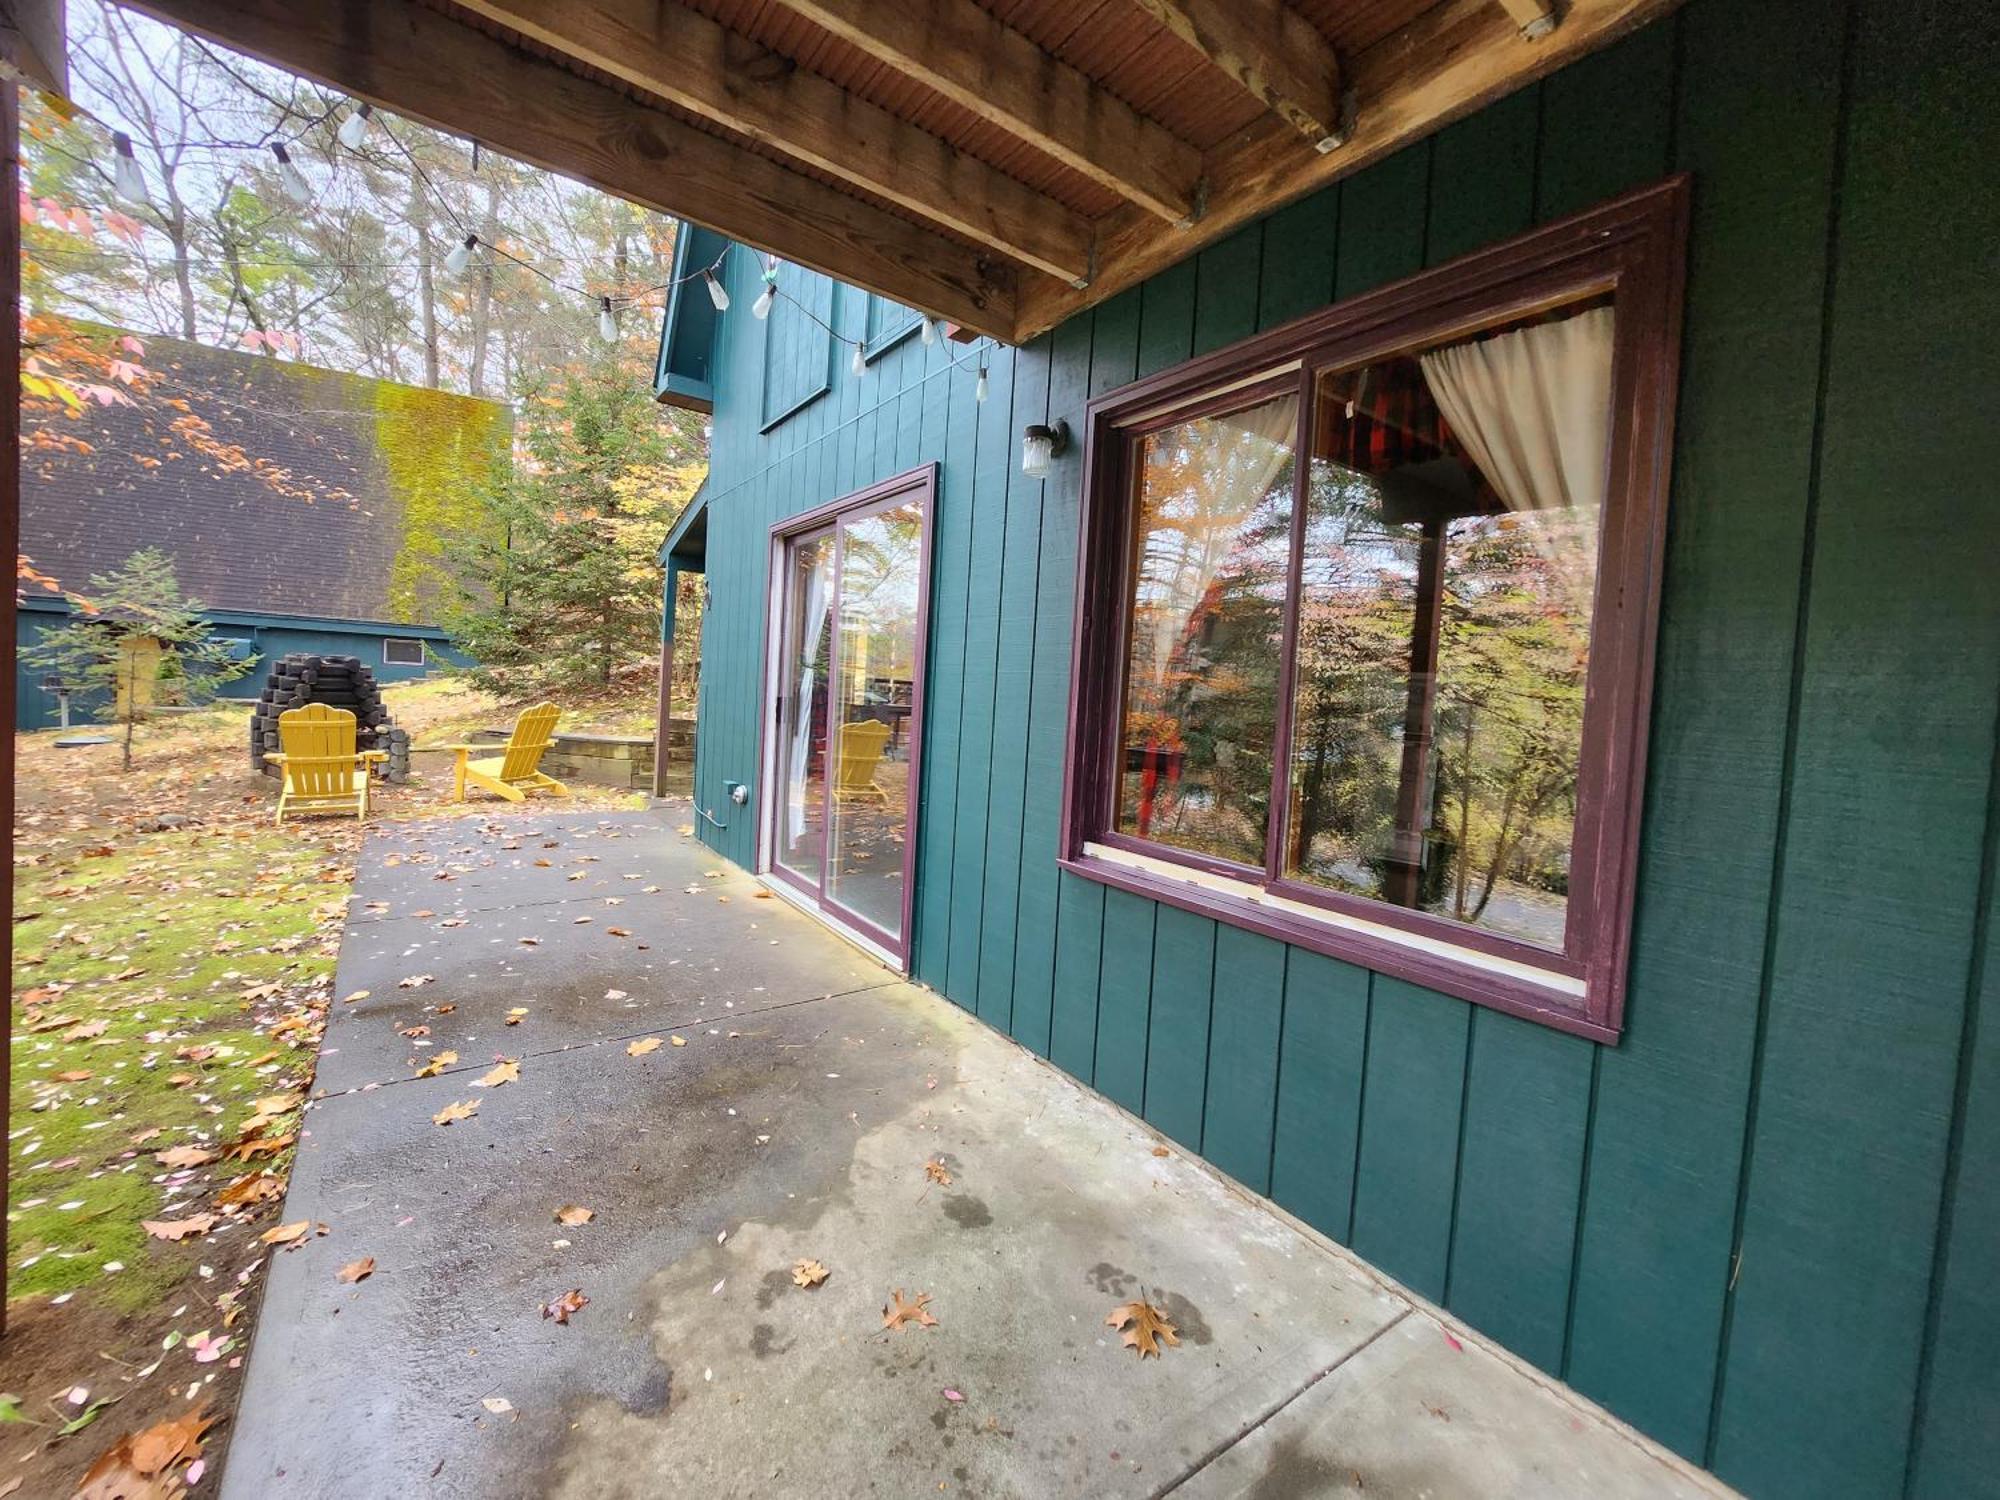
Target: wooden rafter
{"x": 428, "y": 66}
{"x": 1272, "y": 51}
{"x": 1456, "y": 57}
{"x": 684, "y": 57}
{"x": 966, "y": 54}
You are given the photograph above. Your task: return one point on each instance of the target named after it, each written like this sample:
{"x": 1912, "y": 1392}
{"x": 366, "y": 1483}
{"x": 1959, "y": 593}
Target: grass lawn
{"x": 173, "y": 961}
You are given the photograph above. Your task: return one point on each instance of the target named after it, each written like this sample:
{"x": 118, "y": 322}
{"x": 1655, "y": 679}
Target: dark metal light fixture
{"x": 1039, "y": 447}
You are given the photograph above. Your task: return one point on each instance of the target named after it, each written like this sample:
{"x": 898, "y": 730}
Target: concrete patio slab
{"x": 797, "y": 1124}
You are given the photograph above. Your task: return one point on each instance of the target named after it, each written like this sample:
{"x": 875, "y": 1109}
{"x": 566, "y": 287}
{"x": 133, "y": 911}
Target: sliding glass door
{"x": 847, "y": 716}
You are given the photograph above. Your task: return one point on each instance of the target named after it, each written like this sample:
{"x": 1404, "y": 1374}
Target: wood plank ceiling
{"x": 999, "y": 164}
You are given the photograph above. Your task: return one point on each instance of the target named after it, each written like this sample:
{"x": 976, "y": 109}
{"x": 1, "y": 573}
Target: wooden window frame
{"x": 1633, "y": 248}
{"x": 423, "y": 651}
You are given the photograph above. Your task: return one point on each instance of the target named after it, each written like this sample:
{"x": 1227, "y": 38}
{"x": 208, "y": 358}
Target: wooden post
{"x": 10, "y": 537}
{"x": 662, "y": 729}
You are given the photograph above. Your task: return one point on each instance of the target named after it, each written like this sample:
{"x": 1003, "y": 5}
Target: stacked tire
{"x": 303, "y": 677}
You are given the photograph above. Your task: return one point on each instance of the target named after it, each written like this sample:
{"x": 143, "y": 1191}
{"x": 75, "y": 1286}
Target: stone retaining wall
{"x": 620, "y": 760}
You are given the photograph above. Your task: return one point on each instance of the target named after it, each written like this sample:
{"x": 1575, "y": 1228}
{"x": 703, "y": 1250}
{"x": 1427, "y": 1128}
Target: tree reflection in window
{"x": 1212, "y": 547}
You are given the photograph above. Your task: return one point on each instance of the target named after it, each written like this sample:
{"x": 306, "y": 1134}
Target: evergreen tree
{"x": 100, "y": 653}
{"x": 562, "y": 586}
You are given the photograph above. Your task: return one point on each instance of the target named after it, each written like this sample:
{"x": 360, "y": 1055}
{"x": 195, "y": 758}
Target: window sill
{"x": 1519, "y": 989}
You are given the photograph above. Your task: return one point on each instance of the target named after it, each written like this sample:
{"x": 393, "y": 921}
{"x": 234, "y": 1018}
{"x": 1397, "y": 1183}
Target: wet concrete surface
{"x": 795, "y": 1123}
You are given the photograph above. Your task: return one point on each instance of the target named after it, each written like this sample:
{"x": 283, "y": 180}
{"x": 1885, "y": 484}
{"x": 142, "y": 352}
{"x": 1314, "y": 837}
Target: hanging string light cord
{"x": 353, "y": 131}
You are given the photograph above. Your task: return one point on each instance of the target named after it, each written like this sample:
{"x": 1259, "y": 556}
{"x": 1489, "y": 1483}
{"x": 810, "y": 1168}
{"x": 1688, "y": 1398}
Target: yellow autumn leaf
{"x": 455, "y": 1111}
{"x": 641, "y": 1047}
{"x": 507, "y": 1070}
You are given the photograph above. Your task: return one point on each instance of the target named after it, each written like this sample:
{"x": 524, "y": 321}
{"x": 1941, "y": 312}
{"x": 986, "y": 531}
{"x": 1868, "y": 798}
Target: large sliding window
{"x": 847, "y": 682}
{"x": 1368, "y": 618}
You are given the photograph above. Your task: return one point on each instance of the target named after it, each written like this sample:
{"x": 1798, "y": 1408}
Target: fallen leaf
{"x": 357, "y": 995}
{"x": 616, "y": 932}
{"x": 574, "y": 1214}
{"x": 507, "y": 1070}
{"x": 73, "y": 1075}
{"x": 514, "y": 1016}
{"x": 139, "y": 1465}
{"x": 641, "y": 1047}
{"x": 1145, "y": 1327}
{"x": 286, "y": 1234}
{"x": 570, "y": 1301}
{"x": 245, "y": 1150}
{"x": 423, "y": 911}
{"x": 808, "y": 1273}
{"x": 258, "y": 1187}
{"x": 184, "y": 1156}
{"x": 900, "y": 1314}
{"x": 952, "y": 1395}
{"x": 614, "y": 994}
{"x": 446, "y": 1009}
{"x": 415, "y": 1031}
{"x": 179, "y": 1229}
{"x": 83, "y": 1031}
{"x": 678, "y": 1041}
{"x": 438, "y": 1063}
{"x": 455, "y": 1112}
{"x": 498, "y": 1405}
{"x": 414, "y": 981}
{"x": 935, "y": 1170}
{"x": 1161, "y": 1151}
{"x": 356, "y": 1270}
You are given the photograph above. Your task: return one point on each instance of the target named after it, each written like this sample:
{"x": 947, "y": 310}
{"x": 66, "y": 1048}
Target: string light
{"x": 858, "y": 364}
{"x": 761, "y": 308}
{"x": 125, "y": 173}
{"x": 927, "y": 331}
{"x": 354, "y": 129}
{"x": 716, "y": 294}
{"x": 607, "y": 321}
{"x": 979, "y": 389}
{"x": 290, "y": 178}
{"x": 460, "y": 254}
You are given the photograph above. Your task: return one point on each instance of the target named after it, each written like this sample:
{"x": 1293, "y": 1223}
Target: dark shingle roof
{"x": 287, "y": 501}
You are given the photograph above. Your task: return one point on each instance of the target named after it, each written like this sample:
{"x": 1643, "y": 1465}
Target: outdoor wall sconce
{"x": 1039, "y": 447}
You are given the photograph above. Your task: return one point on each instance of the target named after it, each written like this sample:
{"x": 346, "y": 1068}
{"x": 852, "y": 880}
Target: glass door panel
{"x": 879, "y": 608}
{"x": 804, "y": 667}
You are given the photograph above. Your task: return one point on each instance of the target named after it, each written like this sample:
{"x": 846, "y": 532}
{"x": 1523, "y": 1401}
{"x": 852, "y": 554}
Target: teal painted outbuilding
{"x": 1742, "y": 1191}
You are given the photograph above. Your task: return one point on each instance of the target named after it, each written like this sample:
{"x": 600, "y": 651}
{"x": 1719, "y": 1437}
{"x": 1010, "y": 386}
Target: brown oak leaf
{"x": 935, "y": 1170}
{"x": 570, "y": 1301}
{"x": 900, "y": 1314}
{"x": 574, "y": 1214}
{"x": 184, "y": 1156}
{"x": 1145, "y": 1327}
{"x": 356, "y": 1270}
{"x": 808, "y": 1273}
{"x": 286, "y": 1234}
{"x": 179, "y": 1229}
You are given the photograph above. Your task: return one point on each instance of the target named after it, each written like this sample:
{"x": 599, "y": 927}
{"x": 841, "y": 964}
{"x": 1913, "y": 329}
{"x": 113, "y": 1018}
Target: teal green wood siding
{"x": 1763, "y": 1226}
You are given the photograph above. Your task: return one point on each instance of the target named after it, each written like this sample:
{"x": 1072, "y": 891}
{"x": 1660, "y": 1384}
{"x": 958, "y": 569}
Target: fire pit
{"x": 339, "y": 682}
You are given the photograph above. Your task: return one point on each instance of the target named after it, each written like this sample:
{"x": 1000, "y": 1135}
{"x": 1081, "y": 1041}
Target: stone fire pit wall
{"x": 339, "y": 682}
{"x": 618, "y": 760}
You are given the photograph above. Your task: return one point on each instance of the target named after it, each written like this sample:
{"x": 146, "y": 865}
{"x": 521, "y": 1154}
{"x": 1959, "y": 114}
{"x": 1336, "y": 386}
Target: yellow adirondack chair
{"x": 514, "y": 772}
{"x": 323, "y": 770}
{"x": 860, "y": 752}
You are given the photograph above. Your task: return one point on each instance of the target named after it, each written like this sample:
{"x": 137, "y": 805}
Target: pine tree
{"x": 93, "y": 653}
{"x": 563, "y": 585}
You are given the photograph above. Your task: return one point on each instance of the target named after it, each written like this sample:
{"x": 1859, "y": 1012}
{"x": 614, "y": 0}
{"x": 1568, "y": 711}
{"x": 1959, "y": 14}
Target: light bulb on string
{"x": 290, "y": 178}
{"x": 125, "y": 173}
{"x": 354, "y": 129}
{"x": 460, "y": 254}
{"x": 927, "y": 331}
{"x": 979, "y": 387}
{"x": 858, "y": 364}
{"x": 716, "y": 294}
{"x": 761, "y": 308}
{"x": 607, "y": 321}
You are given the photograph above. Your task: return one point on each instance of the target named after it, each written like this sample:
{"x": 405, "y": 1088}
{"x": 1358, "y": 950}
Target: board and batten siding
{"x": 1763, "y": 1226}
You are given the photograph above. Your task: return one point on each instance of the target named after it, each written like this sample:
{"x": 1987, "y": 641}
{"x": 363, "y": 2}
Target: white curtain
{"x": 1533, "y": 410}
{"x": 812, "y": 624}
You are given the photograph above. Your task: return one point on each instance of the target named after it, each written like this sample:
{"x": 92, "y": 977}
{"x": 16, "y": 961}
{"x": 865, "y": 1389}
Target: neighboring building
{"x": 1697, "y": 1112}
{"x": 306, "y": 509}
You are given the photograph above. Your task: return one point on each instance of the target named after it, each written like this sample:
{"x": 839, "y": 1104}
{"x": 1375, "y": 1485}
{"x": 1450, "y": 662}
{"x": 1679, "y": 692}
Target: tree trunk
{"x": 420, "y": 220}
{"x": 482, "y": 301}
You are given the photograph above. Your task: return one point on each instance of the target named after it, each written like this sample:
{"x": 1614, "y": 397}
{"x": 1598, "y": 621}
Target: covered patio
{"x": 797, "y": 1122}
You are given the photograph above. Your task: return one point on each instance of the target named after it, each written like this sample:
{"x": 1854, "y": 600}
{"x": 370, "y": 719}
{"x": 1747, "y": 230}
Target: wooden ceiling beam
{"x": 417, "y": 62}
{"x": 1000, "y": 75}
{"x": 689, "y": 60}
{"x": 1454, "y": 59}
{"x": 1277, "y": 55}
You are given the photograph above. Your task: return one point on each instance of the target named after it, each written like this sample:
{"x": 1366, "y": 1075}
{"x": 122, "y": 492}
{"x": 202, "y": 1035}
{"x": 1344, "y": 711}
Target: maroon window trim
{"x": 1633, "y": 248}
{"x": 921, "y": 483}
